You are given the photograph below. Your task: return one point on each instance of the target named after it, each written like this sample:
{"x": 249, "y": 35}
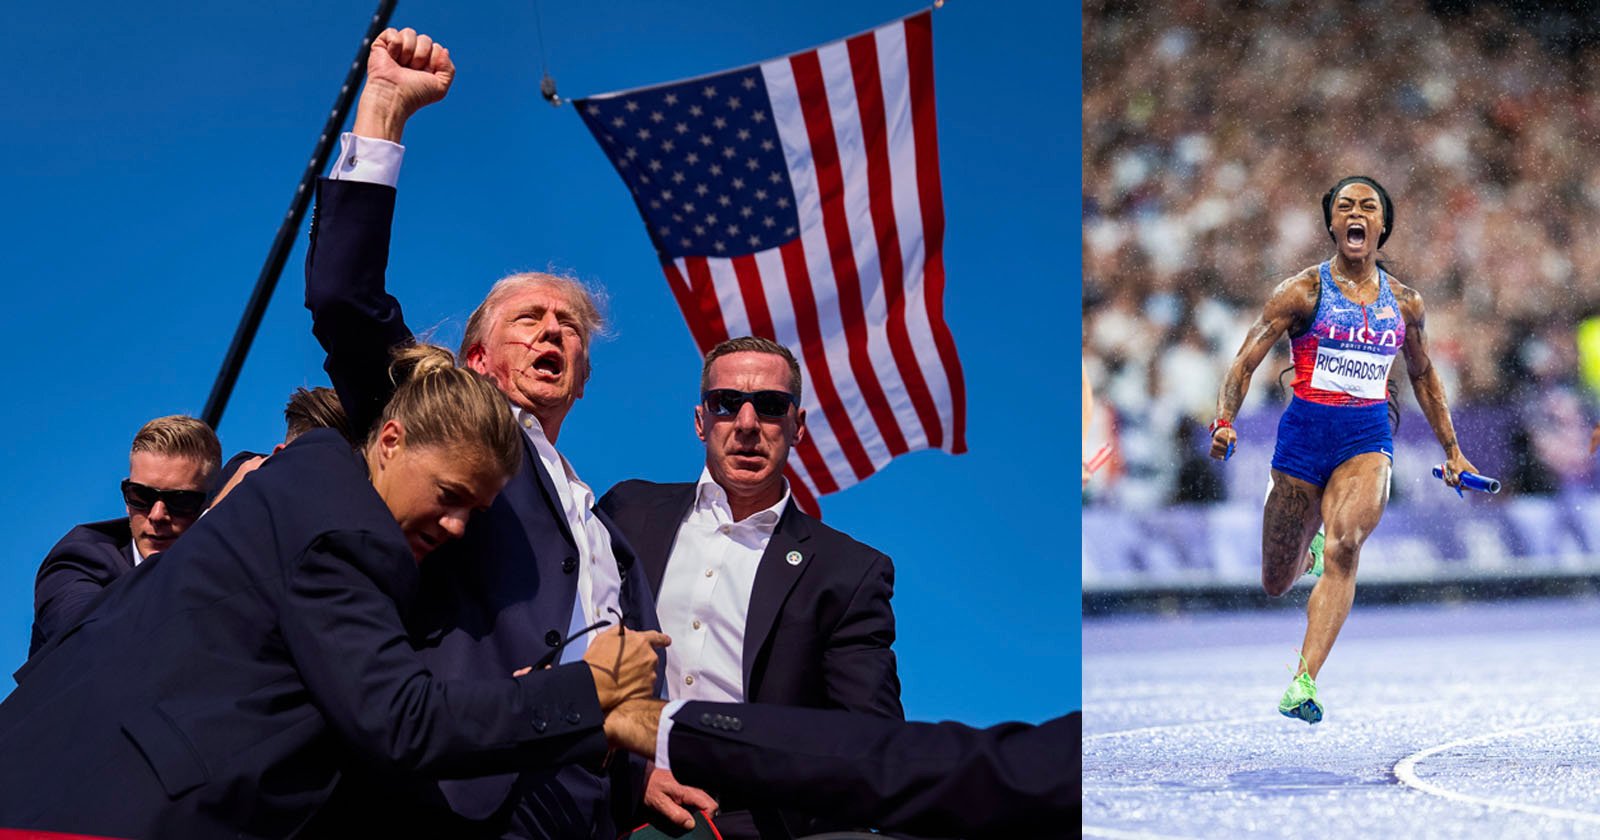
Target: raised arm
{"x": 353, "y": 316}
{"x": 1293, "y": 302}
{"x": 1429, "y": 389}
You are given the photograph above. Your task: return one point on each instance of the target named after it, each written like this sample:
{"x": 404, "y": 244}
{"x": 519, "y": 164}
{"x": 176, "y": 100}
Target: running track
{"x": 1475, "y": 720}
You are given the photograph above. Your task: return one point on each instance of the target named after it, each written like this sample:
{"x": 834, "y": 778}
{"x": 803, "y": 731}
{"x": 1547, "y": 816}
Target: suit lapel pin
{"x": 794, "y": 558}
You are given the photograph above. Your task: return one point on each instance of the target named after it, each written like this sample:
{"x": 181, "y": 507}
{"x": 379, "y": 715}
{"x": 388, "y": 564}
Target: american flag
{"x": 798, "y": 200}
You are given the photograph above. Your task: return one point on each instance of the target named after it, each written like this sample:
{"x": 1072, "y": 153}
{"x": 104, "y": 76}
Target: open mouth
{"x": 549, "y": 363}
{"x": 1356, "y": 234}
{"x": 423, "y": 544}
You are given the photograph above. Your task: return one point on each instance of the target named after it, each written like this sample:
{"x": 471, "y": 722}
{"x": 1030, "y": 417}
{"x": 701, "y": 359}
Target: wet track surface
{"x": 1478, "y": 720}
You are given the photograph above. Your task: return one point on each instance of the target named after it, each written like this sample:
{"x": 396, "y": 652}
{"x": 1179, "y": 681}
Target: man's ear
{"x": 799, "y": 426}
{"x": 476, "y": 360}
{"x": 700, "y": 422}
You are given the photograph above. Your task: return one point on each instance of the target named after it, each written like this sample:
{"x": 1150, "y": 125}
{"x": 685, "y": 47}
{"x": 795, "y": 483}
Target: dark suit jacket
{"x": 501, "y": 597}
{"x": 818, "y": 633}
{"x": 75, "y": 572}
{"x": 219, "y": 692}
{"x": 935, "y": 779}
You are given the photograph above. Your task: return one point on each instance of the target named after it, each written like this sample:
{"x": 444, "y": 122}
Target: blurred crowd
{"x": 1211, "y": 131}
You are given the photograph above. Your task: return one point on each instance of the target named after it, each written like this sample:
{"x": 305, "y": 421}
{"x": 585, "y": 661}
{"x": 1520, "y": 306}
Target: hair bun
{"x": 420, "y": 360}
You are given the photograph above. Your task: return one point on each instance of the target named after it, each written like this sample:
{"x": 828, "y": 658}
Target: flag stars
{"x": 752, "y": 164}
{"x": 775, "y": 178}
{"x": 738, "y": 183}
{"x": 643, "y": 178}
{"x": 655, "y": 204}
{"x": 672, "y": 99}
{"x": 733, "y": 230}
{"x": 744, "y": 134}
{"x": 696, "y": 110}
{"x": 592, "y": 110}
{"x": 716, "y": 169}
{"x": 727, "y": 152}
{"x": 667, "y": 146}
{"x": 657, "y": 116}
{"x": 761, "y": 195}
{"x": 746, "y": 212}
{"x": 632, "y": 153}
{"x": 618, "y": 122}
{"x": 677, "y": 217}
{"x": 782, "y": 202}
{"x": 663, "y": 230}
{"x": 705, "y": 139}
{"x": 693, "y": 158}
{"x": 720, "y": 246}
{"x": 755, "y": 241}
{"x": 681, "y": 128}
{"x": 789, "y": 231}
{"x": 711, "y": 218}
{"x": 719, "y": 123}
{"x": 677, "y": 178}
{"x": 655, "y": 166}
{"x": 767, "y": 145}
{"x": 699, "y": 230}
{"x": 685, "y": 241}
{"x": 644, "y": 134}
{"x": 758, "y": 116}
{"x": 769, "y": 221}
{"x": 701, "y": 190}
{"x": 666, "y": 195}
{"x": 733, "y": 103}
{"x": 688, "y": 207}
{"x": 709, "y": 92}
{"x": 724, "y": 201}
{"x": 631, "y": 105}
{"x": 749, "y": 83}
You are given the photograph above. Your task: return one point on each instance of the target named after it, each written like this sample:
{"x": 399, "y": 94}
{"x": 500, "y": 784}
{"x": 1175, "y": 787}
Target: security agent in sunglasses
{"x": 768, "y": 604}
{"x": 169, "y": 467}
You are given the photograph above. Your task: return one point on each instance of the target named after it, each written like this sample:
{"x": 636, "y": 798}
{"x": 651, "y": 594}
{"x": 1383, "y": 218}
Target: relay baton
{"x": 1472, "y": 481}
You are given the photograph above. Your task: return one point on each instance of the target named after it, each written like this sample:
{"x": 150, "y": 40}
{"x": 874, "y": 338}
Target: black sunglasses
{"x": 184, "y": 503}
{"x": 726, "y": 402}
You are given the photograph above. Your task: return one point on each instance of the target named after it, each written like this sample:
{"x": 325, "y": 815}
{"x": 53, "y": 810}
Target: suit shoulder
{"x": 635, "y": 490}
{"x": 112, "y": 534}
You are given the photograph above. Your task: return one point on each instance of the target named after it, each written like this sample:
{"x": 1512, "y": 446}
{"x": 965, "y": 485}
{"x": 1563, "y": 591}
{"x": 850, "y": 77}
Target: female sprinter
{"x": 1346, "y": 318}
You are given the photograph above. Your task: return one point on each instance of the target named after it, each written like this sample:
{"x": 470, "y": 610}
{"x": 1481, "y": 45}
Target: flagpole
{"x": 289, "y": 229}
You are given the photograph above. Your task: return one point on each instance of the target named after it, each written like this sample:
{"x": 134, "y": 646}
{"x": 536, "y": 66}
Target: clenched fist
{"x": 405, "y": 72}
{"x": 624, "y": 664}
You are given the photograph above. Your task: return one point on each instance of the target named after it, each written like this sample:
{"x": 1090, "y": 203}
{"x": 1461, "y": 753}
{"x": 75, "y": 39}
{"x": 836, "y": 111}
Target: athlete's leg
{"x": 1289, "y": 521}
{"x": 1352, "y": 504}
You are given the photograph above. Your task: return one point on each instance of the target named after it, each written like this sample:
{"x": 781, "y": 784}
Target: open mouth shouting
{"x": 549, "y": 364}
{"x": 1356, "y": 234}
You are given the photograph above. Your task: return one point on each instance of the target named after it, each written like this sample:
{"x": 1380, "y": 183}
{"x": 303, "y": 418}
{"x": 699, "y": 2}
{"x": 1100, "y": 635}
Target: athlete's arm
{"x": 1294, "y": 301}
{"x": 1426, "y": 384}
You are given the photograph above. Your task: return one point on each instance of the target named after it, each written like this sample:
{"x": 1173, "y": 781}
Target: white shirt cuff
{"x": 664, "y": 733}
{"x": 367, "y": 159}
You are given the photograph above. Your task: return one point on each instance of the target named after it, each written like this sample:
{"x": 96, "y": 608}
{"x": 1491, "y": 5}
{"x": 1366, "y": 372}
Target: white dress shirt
{"x": 599, "y": 583}
{"x": 705, "y": 594}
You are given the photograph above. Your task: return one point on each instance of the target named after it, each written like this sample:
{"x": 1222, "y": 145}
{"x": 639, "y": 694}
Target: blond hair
{"x": 752, "y": 344}
{"x": 585, "y": 303}
{"x": 440, "y": 404}
{"x": 180, "y": 436}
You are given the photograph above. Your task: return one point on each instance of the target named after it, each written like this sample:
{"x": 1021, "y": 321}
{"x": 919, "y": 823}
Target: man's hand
{"x": 245, "y": 468}
{"x": 632, "y": 726}
{"x": 1221, "y": 441}
{"x": 405, "y": 72}
{"x": 666, "y": 795}
{"x": 1594, "y": 439}
{"x": 624, "y": 664}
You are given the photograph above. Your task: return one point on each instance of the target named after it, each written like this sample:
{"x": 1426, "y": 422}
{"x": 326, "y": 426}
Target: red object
{"x": 1219, "y": 423}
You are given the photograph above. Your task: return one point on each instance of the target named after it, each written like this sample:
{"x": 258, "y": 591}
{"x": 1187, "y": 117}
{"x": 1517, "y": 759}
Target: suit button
{"x": 705, "y": 719}
{"x": 573, "y": 717}
{"x": 735, "y": 724}
{"x": 539, "y": 724}
{"x": 569, "y": 565}
{"x": 552, "y": 638}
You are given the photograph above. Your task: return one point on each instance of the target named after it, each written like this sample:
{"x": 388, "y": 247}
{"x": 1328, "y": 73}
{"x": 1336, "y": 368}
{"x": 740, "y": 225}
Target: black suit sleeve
{"x": 858, "y": 665}
{"x": 942, "y": 779}
{"x": 68, "y": 583}
{"x": 345, "y": 636}
{"x": 353, "y": 317}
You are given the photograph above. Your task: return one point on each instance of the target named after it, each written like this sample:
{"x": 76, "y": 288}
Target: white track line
{"x": 1119, "y": 834}
{"x": 1406, "y": 772}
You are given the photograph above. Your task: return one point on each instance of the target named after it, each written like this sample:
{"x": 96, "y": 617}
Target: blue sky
{"x": 151, "y": 149}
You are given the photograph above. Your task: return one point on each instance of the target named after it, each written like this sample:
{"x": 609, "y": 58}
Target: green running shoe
{"x": 1300, "y": 701}
{"x": 1316, "y": 555}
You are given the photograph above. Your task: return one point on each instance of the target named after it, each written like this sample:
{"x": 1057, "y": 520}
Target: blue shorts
{"x": 1314, "y": 439}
